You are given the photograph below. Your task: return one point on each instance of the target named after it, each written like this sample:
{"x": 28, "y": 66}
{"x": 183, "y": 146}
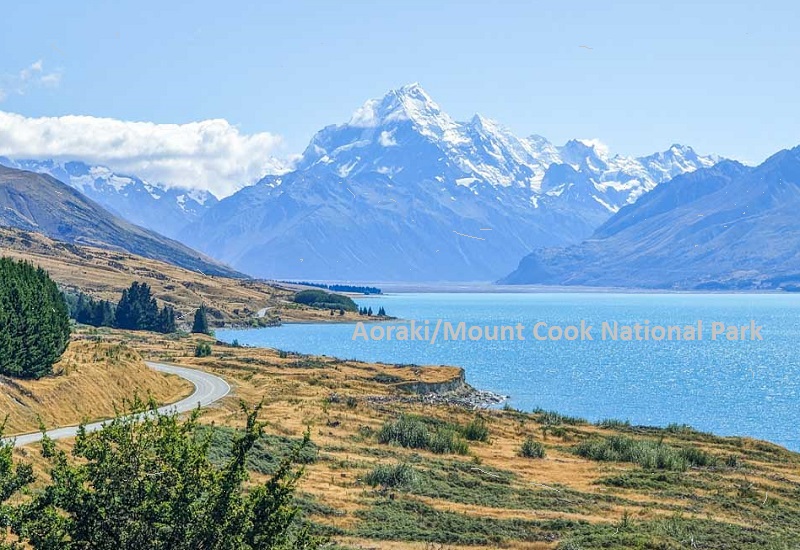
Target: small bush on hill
{"x": 202, "y": 350}
{"x": 647, "y": 453}
{"x": 531, "y": 449}
{"x": 476, "y": 430}
{"x": 391, "y": 477}
{"x": 416, "y": 434}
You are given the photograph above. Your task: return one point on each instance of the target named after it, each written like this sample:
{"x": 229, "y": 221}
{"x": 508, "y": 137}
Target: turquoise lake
{"x": 749, "y": 388}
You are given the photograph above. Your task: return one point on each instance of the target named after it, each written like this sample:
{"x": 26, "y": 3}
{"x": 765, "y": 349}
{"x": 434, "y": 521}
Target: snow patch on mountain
{"x": 389, "y": 135}
{"x": 153, "y": 205}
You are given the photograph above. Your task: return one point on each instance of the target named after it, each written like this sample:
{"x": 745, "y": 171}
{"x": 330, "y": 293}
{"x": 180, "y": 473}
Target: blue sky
{"x": 719, "y": 76}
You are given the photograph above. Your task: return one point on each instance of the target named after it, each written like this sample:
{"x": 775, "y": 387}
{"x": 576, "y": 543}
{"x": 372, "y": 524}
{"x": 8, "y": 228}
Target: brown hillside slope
{"x": 41, "y": 203}
{"x": 104, "y": 274}
{"x": 90, "y": 381}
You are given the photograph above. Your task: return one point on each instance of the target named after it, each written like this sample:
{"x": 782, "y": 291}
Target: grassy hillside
{"x": 460, "y": 480}
{"x": 104, "y": 274}
{"x": 41, "y": 203}
{"x": 91, "y": 379}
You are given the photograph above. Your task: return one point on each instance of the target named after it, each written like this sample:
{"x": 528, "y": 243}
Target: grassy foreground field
{"x": 392, "y": 469}
{"x": 104, "y": 273}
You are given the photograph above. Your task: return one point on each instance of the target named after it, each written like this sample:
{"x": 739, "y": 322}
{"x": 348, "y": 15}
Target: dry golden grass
{"x": 104, "y": 274}
{"x": 91, "y": 379}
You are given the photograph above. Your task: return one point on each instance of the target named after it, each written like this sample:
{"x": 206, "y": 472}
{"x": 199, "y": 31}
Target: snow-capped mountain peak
{"x": 580, "y": 152}
{"x": 409, "y": 103}
{"x": 407, "y": 136}
{"x": 152, "y": 205}
{"x": 403, "y": 191}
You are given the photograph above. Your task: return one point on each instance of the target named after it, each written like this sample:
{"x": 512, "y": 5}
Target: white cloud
{"x": 387, "y": 139}
{"x": 210, "y": 154}
{"x": 365, "y": 116}
{"x": 51, "y": 80}
{"x": 600, "y": 148}
{"x": 31, "y": 76}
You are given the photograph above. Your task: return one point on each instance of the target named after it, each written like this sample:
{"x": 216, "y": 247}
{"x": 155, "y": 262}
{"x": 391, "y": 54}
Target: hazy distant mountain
{"x": 154, "y": 206}
{"x": 729, "y": 226}
{"x": 404, "y": 192}
{"x": 41, "y": 203}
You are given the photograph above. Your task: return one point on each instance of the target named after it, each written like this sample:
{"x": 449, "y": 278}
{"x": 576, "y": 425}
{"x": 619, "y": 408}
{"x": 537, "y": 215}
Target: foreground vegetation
{"x": 146, "y": 482}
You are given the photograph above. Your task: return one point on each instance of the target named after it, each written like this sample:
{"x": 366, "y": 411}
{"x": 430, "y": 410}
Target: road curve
{"x": 208, "y": 388}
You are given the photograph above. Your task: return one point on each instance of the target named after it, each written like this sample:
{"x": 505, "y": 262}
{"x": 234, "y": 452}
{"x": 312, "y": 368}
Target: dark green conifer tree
{"x": 200, "y": 325}
{"x": 137, "y": 309}
{"x": 102, "y": 314}
{"x": 34, "y": 320}
{"x": 166, "y": 320}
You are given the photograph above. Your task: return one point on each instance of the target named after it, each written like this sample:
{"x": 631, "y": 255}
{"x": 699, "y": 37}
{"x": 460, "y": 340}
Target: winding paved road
{"x": 208, "y": 388}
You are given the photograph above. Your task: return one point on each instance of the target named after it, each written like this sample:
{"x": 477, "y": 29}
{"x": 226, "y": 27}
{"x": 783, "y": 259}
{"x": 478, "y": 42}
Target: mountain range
{"x": 402, "y": 191}
{"x": 39, "y": 202}
{"x": 164, "y": 209}
{"x": 726, "y": 227}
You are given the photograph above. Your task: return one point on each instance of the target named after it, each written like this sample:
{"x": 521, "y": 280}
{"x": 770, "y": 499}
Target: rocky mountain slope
{"x": 729, "y": 226}
{"x": 404, "y": 192}
{"x": 41, "y": 203}
{"x": 155, "y": 206}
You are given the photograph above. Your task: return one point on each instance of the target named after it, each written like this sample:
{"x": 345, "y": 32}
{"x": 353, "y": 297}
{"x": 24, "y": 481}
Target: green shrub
{"x": 733, "y": 461}
{"x": 415, "y": 434}
{"x": 447, "y": 440}
{"x": 649, "y": 454}
{"x": 553, "y": 418}
{"x": 531, "y": 449}
{"x": 405, "y": 432}
{"x": 202, "y": 350}
{"x": 681, "y": 429}
{"x": 394, "y": 477}
{"x": 476, "y": 430}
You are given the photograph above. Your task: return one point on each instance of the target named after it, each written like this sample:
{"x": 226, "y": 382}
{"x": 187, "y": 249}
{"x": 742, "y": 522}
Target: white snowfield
{"x": 208, "y": 389}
